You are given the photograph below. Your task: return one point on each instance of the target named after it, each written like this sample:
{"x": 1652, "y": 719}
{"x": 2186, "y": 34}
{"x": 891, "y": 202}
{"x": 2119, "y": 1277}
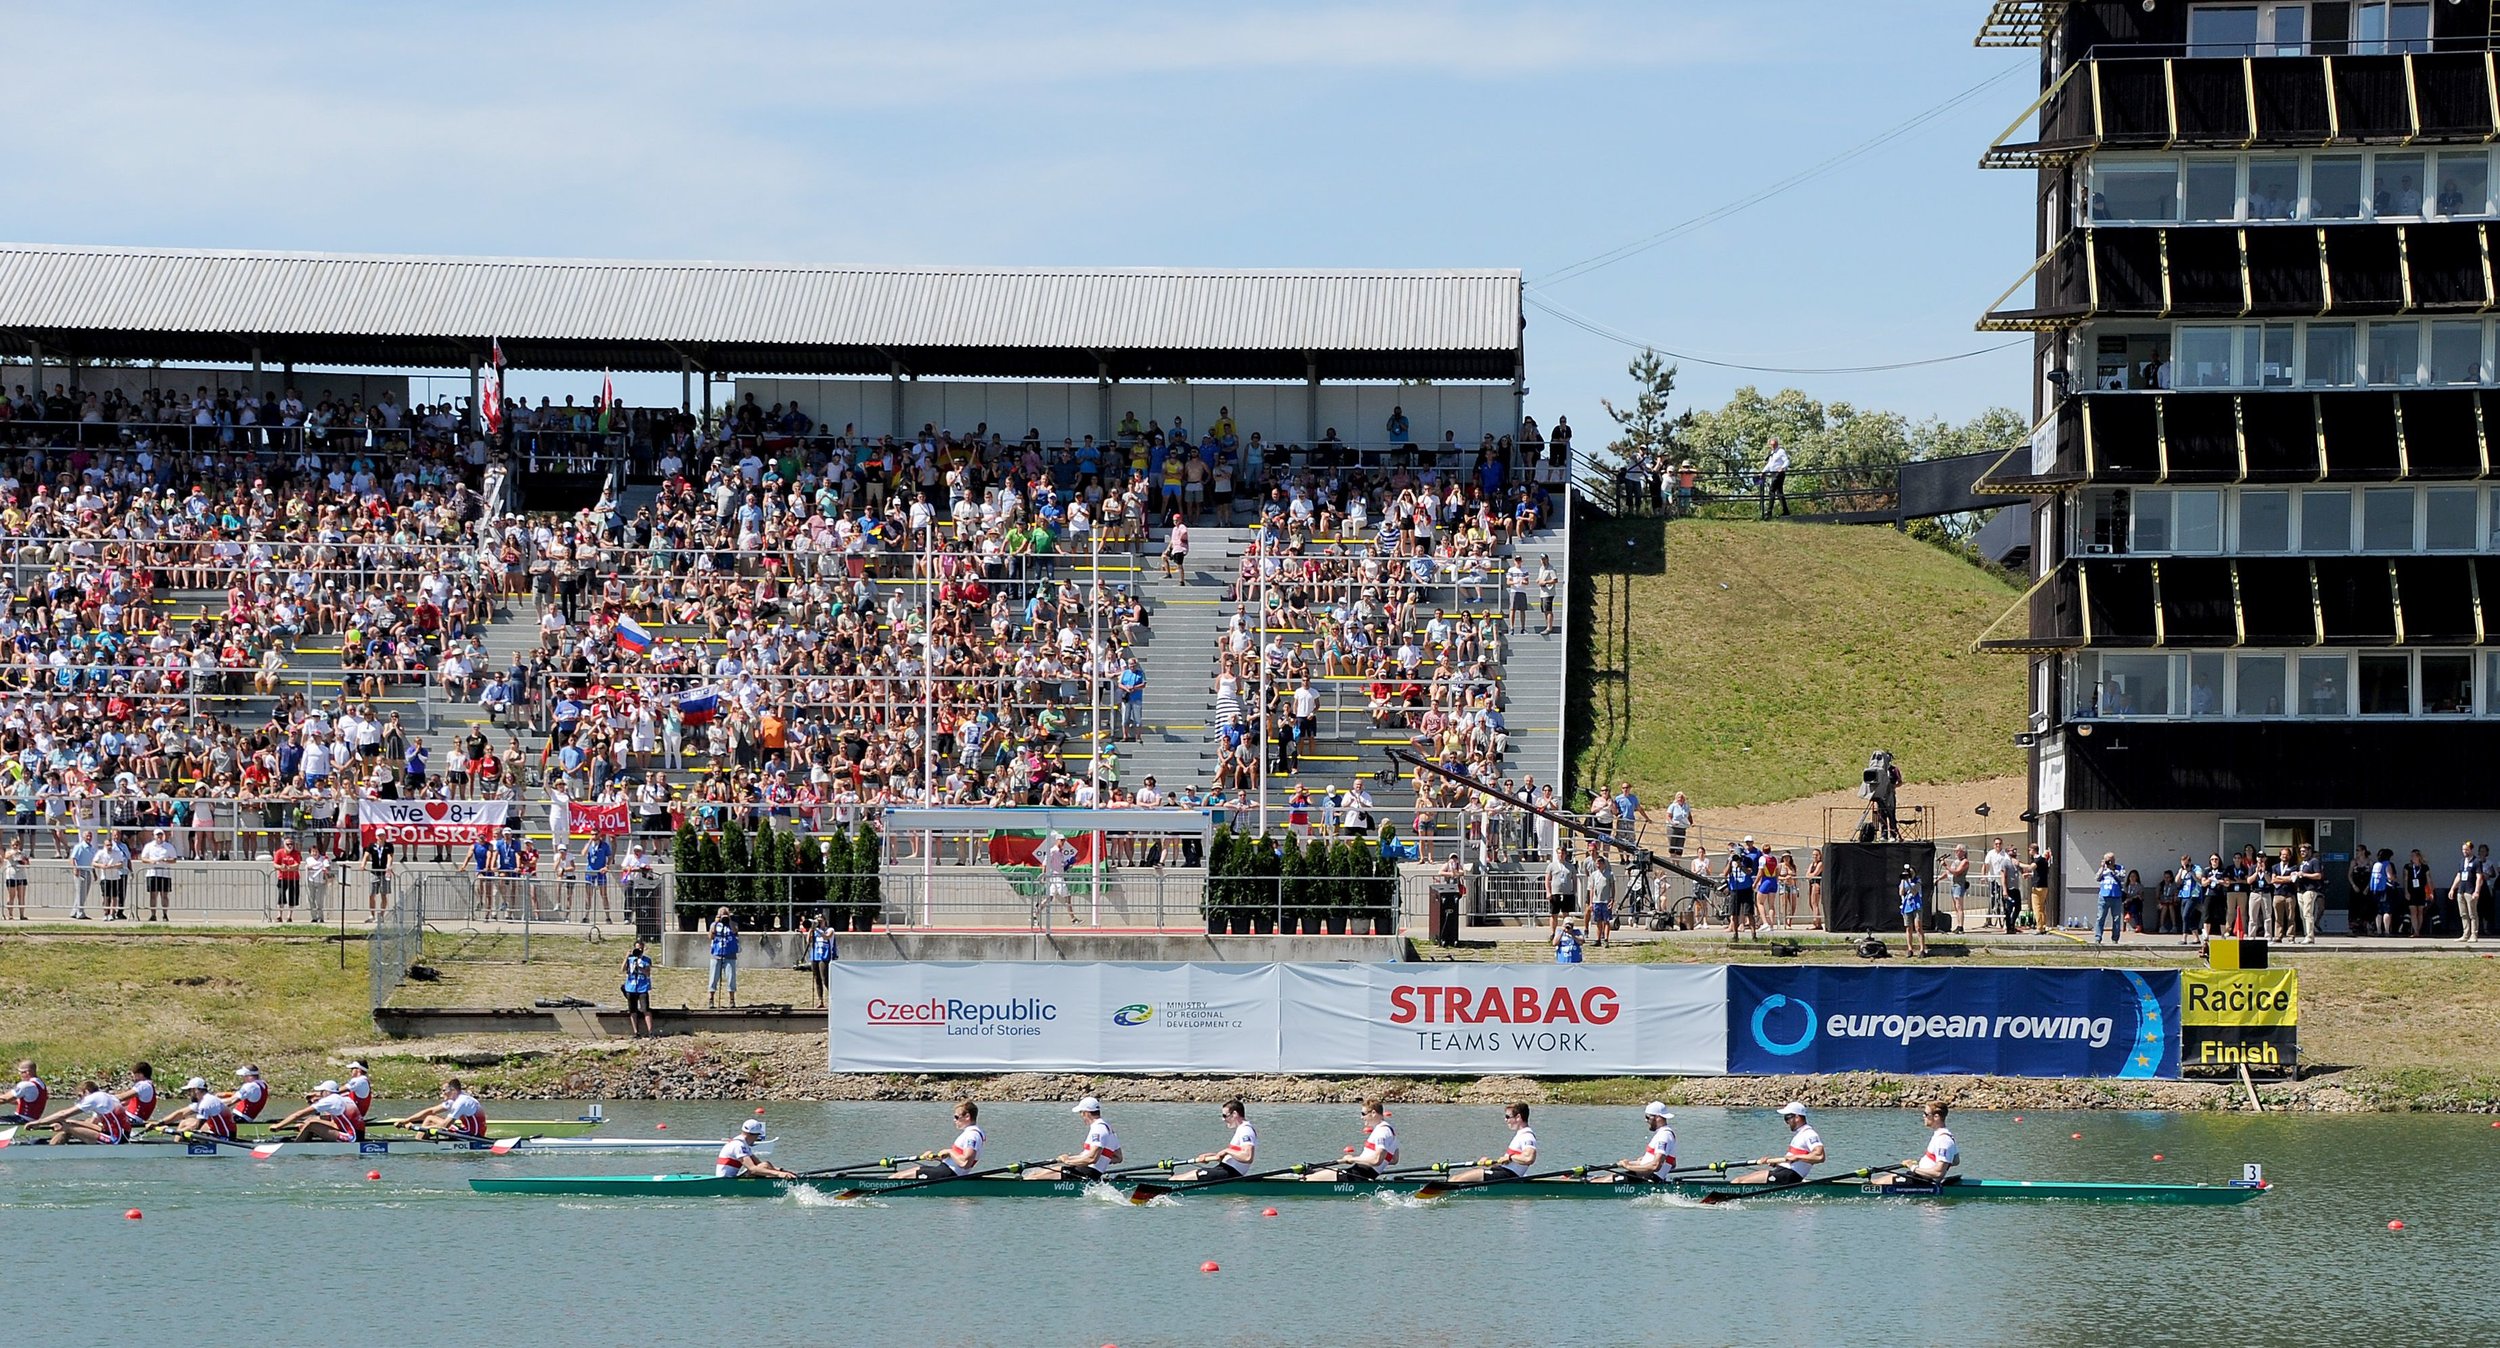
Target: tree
{"x": 737, "y": 856}
{"x": 709, "y": 863}
{"x": 770, "y": 891}
{"x": 867, "y": 888}
{"x": 1647, "y": 432}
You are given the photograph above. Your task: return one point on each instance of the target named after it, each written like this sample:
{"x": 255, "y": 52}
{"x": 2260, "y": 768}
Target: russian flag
{"x": 698, "y": 704}
{"x": 632, "y": 637}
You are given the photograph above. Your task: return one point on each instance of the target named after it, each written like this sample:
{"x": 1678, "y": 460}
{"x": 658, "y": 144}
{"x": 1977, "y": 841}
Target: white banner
{"x": 998, "y": 1017}
{"x": 1539, "y": 1019}
{"x": 431, "y": 821}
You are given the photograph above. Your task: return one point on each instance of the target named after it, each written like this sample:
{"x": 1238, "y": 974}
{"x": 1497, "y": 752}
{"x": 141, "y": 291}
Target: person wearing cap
{"x": 1657, "y": 1159}
{"x": 459, "y": 1115}
{"x": 250, "y": 1094}
{"x": 1517, "y": 1158}
{"x": 359, "y": 1087}
{"x": 1101, "y": 1149}
{"x": 1743, "y": 862}
{"x": 961, "y": 1157}
{"x": 329, "y": 1116}
{"x": 97, "y": 1118}
{"x": 1239, "y": 1155}
{"x": 1805, "y": 1151}
{"x": 1936, "y": 1164}
{"x": 738, "y": 1160}
{"x": 159, "y": 857}
{"x": 112, "y": 873}
{"x": 1378, "y": 1151}
{"x": 637, "y": 990}
{"x": 1567, "y": 942}
{"x": 208, "y": 1112}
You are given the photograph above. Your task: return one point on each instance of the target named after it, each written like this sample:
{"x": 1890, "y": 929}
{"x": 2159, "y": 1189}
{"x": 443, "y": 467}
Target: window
{"x": 2204, "y": 691}
{"x": 2448, "y": 518}
{"x": 2395, "y": 353}
{"x": 2447, "y": 684}
{"x": 2196, "y": 521}
{"x": 2335, "y": 187}
{"x": 2213, "y": 190}
{"x": 2265, "y": 521}
{"x": 2261, "y": 684}
{"x": 2222, "y": 30}
{"x": 2205, "y": 358}
{"x": 2273, "y": 188}
{"x": 2104, "y": 521}
{"x": 2135, "y": 685}
{"x": 2387, "y": 520}
{"x": 2152, "y": 522}
{"x": 2272, "y": 355}
{"x": 2464, "y": 180}
{"x": 2142, "y": 192}
{"x": 2456, "y": 353}
{"x": 2387, "y": 27}
{"x": 2326, "y": 521}
{"x": 2396, "y": 184}
{"x": 2330, "y": 361}
{"x": 2322, "y": 686}
{"x": 2386, "y": 683}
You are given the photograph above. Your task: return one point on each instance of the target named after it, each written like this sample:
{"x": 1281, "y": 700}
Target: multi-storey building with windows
{"x": 2266, "y": 606}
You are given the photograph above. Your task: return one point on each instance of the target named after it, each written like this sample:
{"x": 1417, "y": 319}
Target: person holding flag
{"x": 632, "y": 637}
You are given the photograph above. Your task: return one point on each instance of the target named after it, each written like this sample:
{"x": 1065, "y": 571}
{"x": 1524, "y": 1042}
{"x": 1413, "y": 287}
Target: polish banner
{"x": 610, "y": 820}
{"x": 433, "y": 821}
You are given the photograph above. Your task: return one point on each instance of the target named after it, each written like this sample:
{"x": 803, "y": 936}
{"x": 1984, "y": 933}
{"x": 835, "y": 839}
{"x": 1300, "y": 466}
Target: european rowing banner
{"x": 1541, "y": 1019}
{"x": 1001, "y": 1017}
{"x": 1989, "y": 1022}
{"x": 2251, "y": 1016}
{"x": 431, "y": 821}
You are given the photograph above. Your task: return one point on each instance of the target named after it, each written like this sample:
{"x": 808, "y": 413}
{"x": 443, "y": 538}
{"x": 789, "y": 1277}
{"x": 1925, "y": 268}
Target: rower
{"x": 1238, "y": 1155}
{"x": 459, "y": 1115}
{"x": 359, "y": 1088}
{"x": 331, "y": 1116}
{"x": 961, "y": 1157}
{"x": 1101, "y": 1149}
{"x": 738, "y": 1159}
{"x": 1936, "y": 1165}
{"x": 139, "y": 1097}
{"x": 208, "y": 1111}
{"x": 250, "y": 1095}
{"x": 1805, "y": 1151}
{"x": 1658, "y": 1158}
{"x": 27, "y": 1098}
{"x": 1516, "y": 1158}
{"x": 1380, "y": 1148}
{"x": 97, "y": 1118}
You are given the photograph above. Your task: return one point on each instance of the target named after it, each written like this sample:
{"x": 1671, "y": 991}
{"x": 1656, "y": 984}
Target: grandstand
{"x": 918, "y": 557}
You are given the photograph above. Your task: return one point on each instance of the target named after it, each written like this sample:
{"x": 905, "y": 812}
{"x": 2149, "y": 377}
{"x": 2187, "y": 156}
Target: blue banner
{"x": 1986, "y": 1022}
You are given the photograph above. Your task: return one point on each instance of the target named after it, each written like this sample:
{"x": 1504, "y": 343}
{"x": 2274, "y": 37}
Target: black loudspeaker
{"x": 1862, "y": 889}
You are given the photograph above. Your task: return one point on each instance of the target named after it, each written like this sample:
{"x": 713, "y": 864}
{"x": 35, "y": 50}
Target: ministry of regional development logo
{"x": 1762, "y": 1032}
{"x": 1136, "y": 1013}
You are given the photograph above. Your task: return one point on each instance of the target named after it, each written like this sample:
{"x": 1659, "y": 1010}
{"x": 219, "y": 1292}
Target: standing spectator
{"x": 1814, "y": 890}
{"x": 2357, "y": 907}
{"x": 2006, "y": 884}
{"x": 2166, "y": 905}
{"x": 1679, "y": 823}
{"x": 1561, "y": 887}
{"x": 1547, "y": 582}
{"x": 637, "y": 990}
{"x": 1743, "y": 862}
{"x": 13, "y": 870}
{"x": 724, "y": 960}
{"x": 288, "y": 862}
{"x": 2191, "y": 889}
{"x": 1914, "y": 913}
{"x": 2286, "y": 877}
{"x": 821, "y": 953}
{"x": 2309, "y": 892}
{"x": 1775, "y": 479}
{"x": 2260, "y": 875}
{"x": 1630, "y": 814}
{"x": 2111, "y": 884}
{"x": 1769, "y": 893}
{"x": 2467, "y": 891}
{"x": 82, "y": 872}
{"x": 1601, "y": 891}
{"x": 377, "y": 879}
{"x": 317, "y": 868}
{"x": 2384, "y": 889}
{"x": 159, "y": 856}
{"x": 2043, "y": 888}
{"x": 2417, "y": 883}
{"x": 1957, "y": 881}
{"x": 1176, "y": 551}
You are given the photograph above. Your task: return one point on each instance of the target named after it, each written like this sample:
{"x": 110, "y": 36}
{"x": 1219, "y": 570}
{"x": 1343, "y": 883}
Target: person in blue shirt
{"x": 637, "y": 990}
{"x": 724, "y": 960}
{"x": 510, "y": 894}
{"x": 821, "y": 953}
{"x": 1914, "y": 911}
{"x": 1132, "y": 700}
{"x": 2111, "y": 885}
{"x": 1567, "y": 944}
{"x": 1741, "y": 912}
{"x": 595, "y": 862}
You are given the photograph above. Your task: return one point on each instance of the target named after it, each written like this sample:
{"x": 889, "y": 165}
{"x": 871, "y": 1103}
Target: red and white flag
{"x": 490, "y": 393}
{"x": 605, "y": 820}
{"x": 432, "y": 821}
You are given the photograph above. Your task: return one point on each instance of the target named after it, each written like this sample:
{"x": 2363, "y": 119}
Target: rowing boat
{"x": 259, "y": 1132}
{"x": 1956, "y": 1190}
{"x": 154, "y": 1149}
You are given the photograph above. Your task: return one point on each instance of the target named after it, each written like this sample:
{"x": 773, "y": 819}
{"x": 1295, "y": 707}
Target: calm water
{"x": 308, "y": 1251}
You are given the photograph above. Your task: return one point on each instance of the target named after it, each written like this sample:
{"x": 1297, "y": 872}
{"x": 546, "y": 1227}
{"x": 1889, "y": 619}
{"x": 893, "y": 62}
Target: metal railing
{"x": 398, "y": 940}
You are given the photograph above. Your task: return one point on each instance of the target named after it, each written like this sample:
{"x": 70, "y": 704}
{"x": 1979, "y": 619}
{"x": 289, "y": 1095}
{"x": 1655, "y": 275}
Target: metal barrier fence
{"x": 192, "y": 891}
{"x": 398, "y": 940}
{"x": 1022, "y": 898}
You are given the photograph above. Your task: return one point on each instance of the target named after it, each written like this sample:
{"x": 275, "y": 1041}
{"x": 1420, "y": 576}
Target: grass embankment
{"x": 1746, "y": 662}
{"x": 2378, "y": 1031}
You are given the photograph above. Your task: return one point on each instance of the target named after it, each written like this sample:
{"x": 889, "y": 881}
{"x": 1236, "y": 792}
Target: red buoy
{"x": 373, "y": 1174}
{"x": 2018, "y": 1118}
{"x": 1211, "y": 1266}
{"x": 661, "y": 1126}
{"x": 2156, "y": 1156}
{"x": 2076, "y": 1136}
{"x": 759, "y": 1111}
{"x": 131, "y": 1216}
{"x": 1267, "y": 1212}
{"x": 2392, "y": 1226}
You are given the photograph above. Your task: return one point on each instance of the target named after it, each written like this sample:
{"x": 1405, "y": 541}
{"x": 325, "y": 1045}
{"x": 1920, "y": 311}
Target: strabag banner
{"x": 1991, "y": 1022}
{"x": 1001, "y": 1017}
{"x": 2235, "y": 1017}
{"x": 431, "y": 821}
{"x": 1540, "y": 1019}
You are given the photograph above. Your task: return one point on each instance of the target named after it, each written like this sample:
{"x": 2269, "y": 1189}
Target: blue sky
{"x": 1067, "y": 135}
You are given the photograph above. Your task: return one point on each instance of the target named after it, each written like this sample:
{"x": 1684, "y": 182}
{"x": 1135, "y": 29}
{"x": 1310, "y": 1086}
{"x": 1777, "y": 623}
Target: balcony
{"x": 2234, "y": 271}
{"x": 2209, "y": 603}
{"x": 2258, "y": 436}
{"x": 2156, "y": 98}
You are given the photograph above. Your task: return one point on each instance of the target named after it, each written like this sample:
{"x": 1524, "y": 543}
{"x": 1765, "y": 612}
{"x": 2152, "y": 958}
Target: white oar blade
{"x": 266, "y": 1150}
{"x": 8, "y": 1135}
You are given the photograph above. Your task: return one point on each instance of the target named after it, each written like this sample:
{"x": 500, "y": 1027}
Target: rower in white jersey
{"x": 97, "y": 1117}
{"x": 1100, "y": 1153}
{"x": 208, "y": 1113}
{"x": 1657, "y": 1159}
{"x": 738, "y": 1160}
{"x": 1238, "y": 1155}
{"x": 1515, "y": 1159}
{"x": 459, "y": 1115}
{"x": 139, "y": 1097}
{"x": 1935, "y": 1165}
{"x": 1805, "y": 1151}
{"x": 330, "y": 1115}
{"x": 1378, "y": 1152}
{"x": 250, "y": 1094}
{"x": 961, "y": 1157}
{"x": 359, "y": 1088}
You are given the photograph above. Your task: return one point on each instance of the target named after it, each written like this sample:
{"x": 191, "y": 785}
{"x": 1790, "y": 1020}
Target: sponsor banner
{"x": 1545, "y": 1019}
{"x": 1994, "y": 1022}
{"x": 608, "y": 820}
{"x": 2228, "y": 1018}
{"x": 1000, "y": 1017}
{"x": 431, "y": 821}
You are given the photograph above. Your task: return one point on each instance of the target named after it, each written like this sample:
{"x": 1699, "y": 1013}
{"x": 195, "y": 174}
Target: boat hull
{"x": 178, "y": 1150}
{"x": 704, "y": 1186}
{"x": 259, "y": 1132}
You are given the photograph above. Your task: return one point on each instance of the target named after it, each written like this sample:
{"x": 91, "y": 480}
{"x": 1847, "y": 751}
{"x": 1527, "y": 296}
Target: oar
{"x": 1018, "y": 1168}
{"x": 853, "y": 1168}
{"x": 1436, "y": 1188}
{"x": 189, "y": 1135}
{"x": 1147, "y": 1193}
{"x": 1730, "y": 1195}
{"x": 504, "y": 1147}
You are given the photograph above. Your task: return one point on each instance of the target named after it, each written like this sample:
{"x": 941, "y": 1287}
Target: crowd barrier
{"x": 1543, "y": 1020}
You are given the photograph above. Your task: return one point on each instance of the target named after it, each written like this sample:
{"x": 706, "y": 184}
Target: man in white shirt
{"x": 738, "y": 1159}
{"x": 1516, "y": 1158}
{"x": 1775, "y": 479}
{"x": 159, "y": 856}
{"x": 961, "y": 1157}
{"x": 1935, "y": 1165}
{"x": 1239, "y": 1155}
{"x": 96, "y": 1118}
{"x": 1100, "y": 1152}
{"x": 1805, "y": 1151}
{"x": 1657, "y": 1160}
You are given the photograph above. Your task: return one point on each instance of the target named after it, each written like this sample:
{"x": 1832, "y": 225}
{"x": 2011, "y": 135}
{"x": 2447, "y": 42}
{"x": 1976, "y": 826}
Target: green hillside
{"x": 1763, "y": 662}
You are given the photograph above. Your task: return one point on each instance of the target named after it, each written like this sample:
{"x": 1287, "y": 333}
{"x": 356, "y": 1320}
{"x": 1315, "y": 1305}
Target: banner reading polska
{"x": 431, "y": 821}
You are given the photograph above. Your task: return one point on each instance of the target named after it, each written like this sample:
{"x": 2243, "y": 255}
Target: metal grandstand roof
{"x": 2018, "y": 23}
{"x": 317, "y": 308}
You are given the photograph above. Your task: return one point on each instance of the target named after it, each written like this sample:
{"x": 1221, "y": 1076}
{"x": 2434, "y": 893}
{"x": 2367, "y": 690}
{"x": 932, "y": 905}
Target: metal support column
{"x": 1102, "y": 404}
{"x": 1310, "y": 412}
{"x": 894, "y": 384}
